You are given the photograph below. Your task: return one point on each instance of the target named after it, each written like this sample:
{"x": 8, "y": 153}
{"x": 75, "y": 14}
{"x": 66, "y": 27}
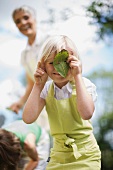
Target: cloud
{"x": 10, "y": 51}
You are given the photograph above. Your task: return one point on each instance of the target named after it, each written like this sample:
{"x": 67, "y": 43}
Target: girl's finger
{"x": 72, "y": 58}
{"x": 42, "y": 64}
{"x": 39, "y": 64}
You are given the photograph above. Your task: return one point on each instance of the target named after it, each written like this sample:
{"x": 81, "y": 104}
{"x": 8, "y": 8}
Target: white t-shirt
{"x": 66, "y": 90}
{"x": 29, "y": 57}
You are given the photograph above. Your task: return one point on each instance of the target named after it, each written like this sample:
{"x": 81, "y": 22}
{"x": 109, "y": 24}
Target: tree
{"x": 101, "y": 14}
{"x": 103, "y": 126}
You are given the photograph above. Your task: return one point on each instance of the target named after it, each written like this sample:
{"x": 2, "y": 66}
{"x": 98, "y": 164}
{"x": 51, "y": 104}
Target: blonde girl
{"x": 69, "y": 103}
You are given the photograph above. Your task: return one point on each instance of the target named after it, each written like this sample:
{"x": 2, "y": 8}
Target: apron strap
{"x": 69, "y": 142}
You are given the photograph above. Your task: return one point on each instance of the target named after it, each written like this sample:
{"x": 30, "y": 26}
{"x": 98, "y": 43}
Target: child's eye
{"x": 51, "y": 63}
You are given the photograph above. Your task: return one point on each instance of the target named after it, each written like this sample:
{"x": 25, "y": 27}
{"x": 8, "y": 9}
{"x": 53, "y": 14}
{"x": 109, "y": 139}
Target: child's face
{"x": 25, "y": 23}
{"x": 53, "y": 74}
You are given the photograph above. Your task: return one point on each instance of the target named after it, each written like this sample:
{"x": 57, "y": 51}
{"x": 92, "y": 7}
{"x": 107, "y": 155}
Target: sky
{"x": 94, "y": 55}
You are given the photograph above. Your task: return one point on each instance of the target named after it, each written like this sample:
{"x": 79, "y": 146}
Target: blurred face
{"x": 25, "y": 23}
{"x": 53, "y": 74}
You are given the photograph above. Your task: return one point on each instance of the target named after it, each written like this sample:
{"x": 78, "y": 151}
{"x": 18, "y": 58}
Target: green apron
{"x": 75, "y": 147}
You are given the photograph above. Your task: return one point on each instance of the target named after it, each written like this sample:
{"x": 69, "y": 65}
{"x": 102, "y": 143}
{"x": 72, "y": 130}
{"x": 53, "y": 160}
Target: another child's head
{"x": 25, "y": 19}
{"x": 50, "y": 48}
{"x": 10, "y": 150}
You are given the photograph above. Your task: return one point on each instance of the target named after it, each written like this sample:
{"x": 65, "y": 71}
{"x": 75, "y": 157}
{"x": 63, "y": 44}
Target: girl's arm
{"x": 31, "y": 165}
{"x": 85, "y": 104}
{"x": 30, "y": 149}
{"x": 35, "y": 103}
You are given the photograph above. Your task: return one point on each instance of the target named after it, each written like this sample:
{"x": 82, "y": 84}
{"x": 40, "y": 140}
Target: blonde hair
{"x": 25, "y": 8}
{"x": 55, "y": 44}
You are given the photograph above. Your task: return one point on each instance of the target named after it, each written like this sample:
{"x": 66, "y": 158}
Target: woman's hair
{"x": 55, "y": 44}
{"x": 25, "y": 8}
{"x": 10, "y": 150}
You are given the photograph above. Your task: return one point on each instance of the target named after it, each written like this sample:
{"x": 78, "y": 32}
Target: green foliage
{"x": 101, "y": 13}
{"x": 105, "y": 139}
{"x": 106, "y": 127}
{"x": 104, "y": 82}
{"x": 101, "y": 74}
{"x": 107, "y": 160}
{"x": 60, "y": 63}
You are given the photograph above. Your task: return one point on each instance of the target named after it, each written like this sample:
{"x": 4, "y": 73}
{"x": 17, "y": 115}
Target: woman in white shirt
{"x": 25, "y": 20}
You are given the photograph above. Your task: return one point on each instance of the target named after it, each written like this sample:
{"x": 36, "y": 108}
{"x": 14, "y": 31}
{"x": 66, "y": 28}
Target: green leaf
{"x": 60, "y": 63}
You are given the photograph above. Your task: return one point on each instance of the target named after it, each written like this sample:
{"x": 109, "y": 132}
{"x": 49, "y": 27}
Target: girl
{"x": 22, "y": 144}
{"x": 69, "y": 103}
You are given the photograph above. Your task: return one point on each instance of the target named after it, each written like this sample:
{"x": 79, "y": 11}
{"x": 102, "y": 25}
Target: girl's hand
{"x": 75, "y": 65}
{"x": 40, "y": 74}
{"x": 31, "y": 165}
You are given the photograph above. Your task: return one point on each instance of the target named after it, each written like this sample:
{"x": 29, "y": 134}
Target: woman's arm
{"x": 20, "y": 103}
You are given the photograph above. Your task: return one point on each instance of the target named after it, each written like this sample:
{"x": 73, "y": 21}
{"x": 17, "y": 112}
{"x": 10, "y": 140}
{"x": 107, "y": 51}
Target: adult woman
{"x": 25, "y": 20}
